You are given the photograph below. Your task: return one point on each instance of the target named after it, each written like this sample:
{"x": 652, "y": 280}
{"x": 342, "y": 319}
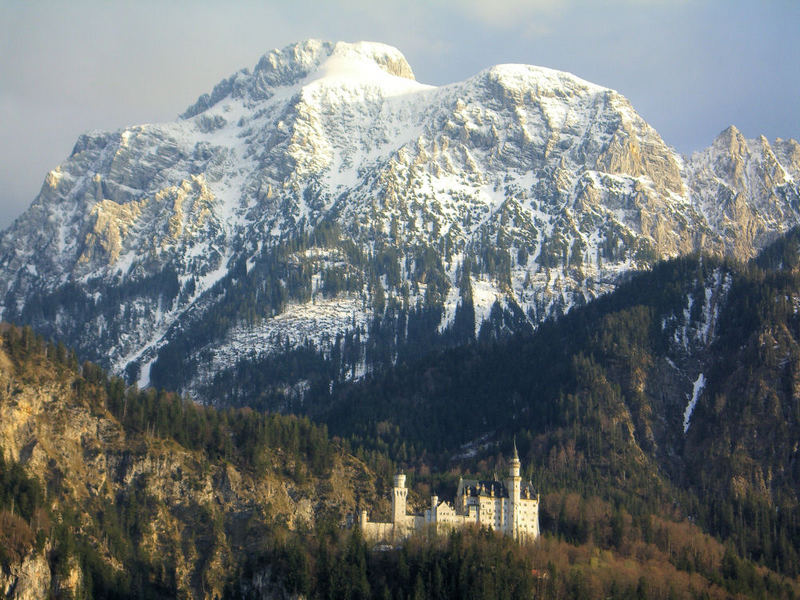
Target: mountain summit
{"x": 326, "y": 201}
{"x": 364, "y": 63}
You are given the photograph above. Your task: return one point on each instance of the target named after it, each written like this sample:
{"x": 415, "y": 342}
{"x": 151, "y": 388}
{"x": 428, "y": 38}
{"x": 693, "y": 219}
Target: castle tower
{"x": 514, "y": 484}
{"x": 433, "y": 509}
{"x": 399, "y": 495}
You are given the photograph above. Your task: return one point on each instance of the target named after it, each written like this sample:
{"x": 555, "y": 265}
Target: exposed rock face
{"x": 30, "y": 580}
{"x": 747, "y": 189}
{"x": 547, "y": 186}
{"x": 202, "y": 514}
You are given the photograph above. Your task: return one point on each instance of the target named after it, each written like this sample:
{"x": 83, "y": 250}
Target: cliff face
{"x": 747, "y": 189}
{"x": 30, "y": 579}
{"x": 179, "y": 509}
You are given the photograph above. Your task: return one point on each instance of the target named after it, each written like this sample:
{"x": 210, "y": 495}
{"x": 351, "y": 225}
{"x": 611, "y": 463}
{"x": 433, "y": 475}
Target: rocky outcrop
{"x": 747, "y": 189}
{"x": 28, "y": 580}
{"x": 202, "y": 515}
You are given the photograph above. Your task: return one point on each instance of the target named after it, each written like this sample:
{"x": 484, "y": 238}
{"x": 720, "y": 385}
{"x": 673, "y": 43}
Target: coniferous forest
{"x": 634, "y": 504}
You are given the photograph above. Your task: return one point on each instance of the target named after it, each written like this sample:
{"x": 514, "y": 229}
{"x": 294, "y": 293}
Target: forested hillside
{"x": 111, "y": 492}
{"x": 679, "y": 388}
{"x": 659, "y": 422}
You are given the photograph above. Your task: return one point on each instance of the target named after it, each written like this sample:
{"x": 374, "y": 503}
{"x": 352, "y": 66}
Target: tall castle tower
{"x": 399, "y": 495}
{"x": 513, "y": 484}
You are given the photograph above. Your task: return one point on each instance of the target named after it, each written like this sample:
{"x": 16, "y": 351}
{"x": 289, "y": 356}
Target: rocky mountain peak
{"x": 788, "y": 152}
{"x": 304, "y": 62}
{"x": 728, "y": 136}
{"x": 370, "y": 190}
{"x": 541, "y": 81}
{"x": 731, "y": 151}
{"x": 314, "y": 59}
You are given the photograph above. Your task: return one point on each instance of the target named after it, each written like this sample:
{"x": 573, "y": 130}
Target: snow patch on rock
{"x": 697, "y": 388}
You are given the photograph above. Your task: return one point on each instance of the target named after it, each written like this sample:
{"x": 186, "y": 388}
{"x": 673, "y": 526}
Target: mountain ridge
{"x": 548, "y": 187}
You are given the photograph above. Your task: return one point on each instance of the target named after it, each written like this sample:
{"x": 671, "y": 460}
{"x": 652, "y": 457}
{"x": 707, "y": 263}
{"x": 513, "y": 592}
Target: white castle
{"x": 509, "y": 506}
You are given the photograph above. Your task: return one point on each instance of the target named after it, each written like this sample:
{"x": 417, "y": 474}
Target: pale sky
{"x": 689, "y": 67}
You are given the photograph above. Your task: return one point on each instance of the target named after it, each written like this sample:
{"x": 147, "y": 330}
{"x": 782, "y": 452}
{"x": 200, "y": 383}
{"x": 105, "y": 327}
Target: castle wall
{"x": 377, "y": 532}
{"x": 493, "y": 512}
{"x": 528, "y": 518}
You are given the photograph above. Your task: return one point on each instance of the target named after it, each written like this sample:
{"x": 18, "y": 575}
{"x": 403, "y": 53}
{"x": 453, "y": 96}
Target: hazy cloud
{"x": 506, "y": 14}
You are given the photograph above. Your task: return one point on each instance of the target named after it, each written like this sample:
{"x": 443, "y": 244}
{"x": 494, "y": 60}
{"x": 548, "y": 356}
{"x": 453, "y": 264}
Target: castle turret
{"x": 399, "y": 495}
{"x": 514, "y": 464}
{"x": 514, "y": 484}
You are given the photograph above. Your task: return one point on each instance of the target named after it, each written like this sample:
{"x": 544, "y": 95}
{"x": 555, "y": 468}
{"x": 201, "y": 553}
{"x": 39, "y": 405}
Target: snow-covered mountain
{"x": 326, "y": 197}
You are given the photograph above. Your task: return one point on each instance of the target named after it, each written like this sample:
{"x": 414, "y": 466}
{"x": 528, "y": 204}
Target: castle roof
{"x": 498, "y": 489}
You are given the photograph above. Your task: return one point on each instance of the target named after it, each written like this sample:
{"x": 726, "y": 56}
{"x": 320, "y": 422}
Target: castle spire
{"x": 514, "y": 463}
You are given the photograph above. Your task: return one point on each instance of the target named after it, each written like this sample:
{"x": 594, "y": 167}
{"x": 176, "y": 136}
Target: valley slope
{"x": 109, "y": 492}
{"x": 680, "y": 387}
